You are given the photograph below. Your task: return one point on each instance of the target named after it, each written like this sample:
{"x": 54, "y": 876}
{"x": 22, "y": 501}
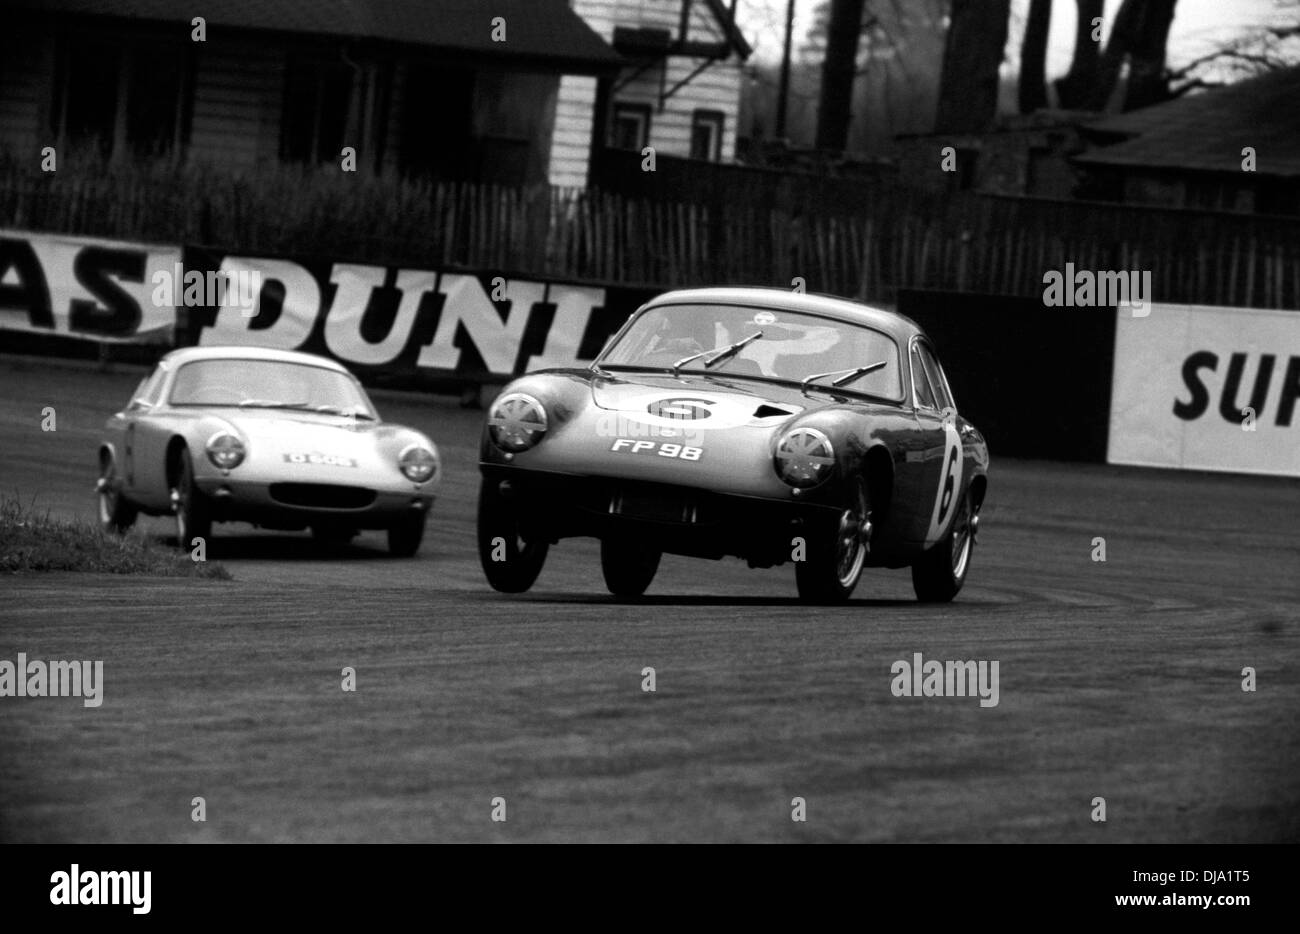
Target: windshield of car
{"x": 793, "y": 346}
{"x": 270, "y": 384}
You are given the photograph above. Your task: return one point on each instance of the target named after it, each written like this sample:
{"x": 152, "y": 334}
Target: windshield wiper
{"x": 270, "y": 404}
{"x": 718, "y": 353}
{"x": 348, "y": 412}
{"x": 848, "y": 377}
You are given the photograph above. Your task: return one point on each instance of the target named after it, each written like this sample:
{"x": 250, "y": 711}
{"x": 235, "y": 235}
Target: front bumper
{"x": 293, "y": 504}
{"x": 675, "y": 519}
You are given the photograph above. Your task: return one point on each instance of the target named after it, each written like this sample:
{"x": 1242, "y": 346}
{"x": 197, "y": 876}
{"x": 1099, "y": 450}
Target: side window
{"x": 150, "y": 389}
{"x": 938, "y": 381}
{"x": 921, "y": 383}
{"x": 629, "y": 127}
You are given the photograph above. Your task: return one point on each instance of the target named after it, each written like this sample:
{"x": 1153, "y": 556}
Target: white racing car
{"x": 280, "y": 439}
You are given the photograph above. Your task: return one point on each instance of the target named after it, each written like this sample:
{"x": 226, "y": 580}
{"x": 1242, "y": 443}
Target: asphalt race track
{"x": 1119, "y": 679}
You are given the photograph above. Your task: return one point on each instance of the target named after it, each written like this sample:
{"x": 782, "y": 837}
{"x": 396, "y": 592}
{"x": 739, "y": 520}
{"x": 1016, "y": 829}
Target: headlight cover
{"x": 804, "y": 457}
{"x": 516, "y": 422}
{"x": 225, "y": 450}
{"x": 418, "y": 464}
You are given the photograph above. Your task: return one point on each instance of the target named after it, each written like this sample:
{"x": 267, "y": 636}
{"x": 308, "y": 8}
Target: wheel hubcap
{"x": 851, "y": 542}
{"x": 178, "y": 506}
{"x": 107, "y": 496}
{"x": 962, "y": 539}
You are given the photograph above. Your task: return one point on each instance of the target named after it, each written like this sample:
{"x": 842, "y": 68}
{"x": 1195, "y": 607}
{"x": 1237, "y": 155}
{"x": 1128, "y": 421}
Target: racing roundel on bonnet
{"x": 687, "y": 410}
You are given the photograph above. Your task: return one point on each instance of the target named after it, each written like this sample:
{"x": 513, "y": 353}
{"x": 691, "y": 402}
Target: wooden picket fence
{"x": 899, "y": 239}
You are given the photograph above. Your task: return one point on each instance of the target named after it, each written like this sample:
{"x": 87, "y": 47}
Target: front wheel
{"x": 405, "y": 536}
{"x": 511, "y": 556}
{"x": 937, "y": 576}
{"x": 193, "y": 513}
{"x": 628, "y": 567}
{"x": 116, "y": 513}
{"x": 836, "y": 555}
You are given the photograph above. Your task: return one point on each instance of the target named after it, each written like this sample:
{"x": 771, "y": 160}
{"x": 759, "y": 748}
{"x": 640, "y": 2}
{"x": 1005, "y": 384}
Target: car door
{"x": 144, "y": 443}
{"x": 937, "y": 455}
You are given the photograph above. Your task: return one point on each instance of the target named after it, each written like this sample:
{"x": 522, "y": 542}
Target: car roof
{"x": 235, "y": 352}
{"x": 900, "y": 327}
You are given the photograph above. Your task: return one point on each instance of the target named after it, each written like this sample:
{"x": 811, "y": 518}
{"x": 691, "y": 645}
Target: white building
{"x": 680, "y": 93}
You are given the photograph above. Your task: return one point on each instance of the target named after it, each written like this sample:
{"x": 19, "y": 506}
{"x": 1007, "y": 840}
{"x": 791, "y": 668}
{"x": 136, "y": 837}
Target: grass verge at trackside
{"x": 33, "y": 541}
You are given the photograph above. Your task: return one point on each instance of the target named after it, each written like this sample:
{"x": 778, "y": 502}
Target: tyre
{"x": 511, "y": 559}
{"x": 192, "y": 509}
{"x": 836, "y": 553}
{"x": 116, "y": 513}
{"x": 938, "y": 574}
{"x": 404, "y": 537}
{"x": 628, "y": 567}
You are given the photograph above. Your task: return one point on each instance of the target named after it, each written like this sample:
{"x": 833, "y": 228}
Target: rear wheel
{"x": 405, "y": 536}
{"x": 116, "y": 514}
{"x": 836, "y": 554}
{"x": 192, "y": 509}
{"x": 937, "y": 576}
{"x": 628, "y": 567}
{"x": 511, "y": 556}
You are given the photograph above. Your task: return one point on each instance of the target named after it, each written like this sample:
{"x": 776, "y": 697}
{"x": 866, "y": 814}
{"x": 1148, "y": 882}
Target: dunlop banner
{"x": 404, "y": 319}
{"x": 379, "y": 319}
{"x": 85, "y": 287}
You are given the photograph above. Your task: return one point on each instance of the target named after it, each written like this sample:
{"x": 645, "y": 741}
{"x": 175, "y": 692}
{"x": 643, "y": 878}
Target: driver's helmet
{"x": 689, "y": 335}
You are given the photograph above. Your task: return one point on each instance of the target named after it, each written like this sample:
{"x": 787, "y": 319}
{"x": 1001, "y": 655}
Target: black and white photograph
{"x": 650, "y": 421}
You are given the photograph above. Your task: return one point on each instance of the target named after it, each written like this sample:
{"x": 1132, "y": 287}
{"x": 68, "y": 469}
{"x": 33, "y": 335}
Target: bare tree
{"x": 968, "y": 87}
{"x": 1032, "y": 90}
{"x": 1075, "y": 90}
{"x": 1140, "y": 36}
{"x": 838, "y": 71}
{"x": 1270, "y": 48}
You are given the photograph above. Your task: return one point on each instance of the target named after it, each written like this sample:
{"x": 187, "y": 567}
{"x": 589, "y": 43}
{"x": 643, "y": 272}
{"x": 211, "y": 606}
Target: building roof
{"x": 1207, "y": 131}
{"x": 728, "y": 24}
{"x": 544, "y": 32}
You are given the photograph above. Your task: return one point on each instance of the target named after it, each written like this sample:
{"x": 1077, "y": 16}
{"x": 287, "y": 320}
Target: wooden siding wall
{"x": 238, "y": 98}
{"x": 238, "y": 101}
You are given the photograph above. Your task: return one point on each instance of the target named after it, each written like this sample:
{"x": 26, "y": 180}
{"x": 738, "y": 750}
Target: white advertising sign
{"x": 1206, "y": 388}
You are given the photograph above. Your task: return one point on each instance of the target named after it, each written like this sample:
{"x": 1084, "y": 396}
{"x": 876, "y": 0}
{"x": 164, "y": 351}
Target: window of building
{"x": 437, "y": 123}
{"x": 317, "y": 98}
{"x": 706, "y": 135}
{"x": 629, "y": 126}
{"x": 967, "y": 167}
{"x": 1276, "y": 196}
{"x": 122, "y": 97}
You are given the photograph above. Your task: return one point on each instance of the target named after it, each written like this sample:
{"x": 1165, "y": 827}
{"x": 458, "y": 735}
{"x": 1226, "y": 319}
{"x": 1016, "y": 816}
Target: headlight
{"x": 225, "y": 450}
{"x": 417, "y": 462}
{"x": 516, "y": 422}
{"x": 804, "y": 457}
